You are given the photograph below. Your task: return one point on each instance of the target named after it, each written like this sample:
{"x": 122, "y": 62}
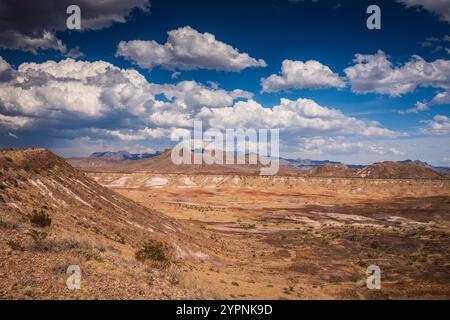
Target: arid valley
{"x": 224, "y": 236}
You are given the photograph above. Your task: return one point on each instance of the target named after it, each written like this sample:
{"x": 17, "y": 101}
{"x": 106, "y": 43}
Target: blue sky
{"x": 329, "y": 32}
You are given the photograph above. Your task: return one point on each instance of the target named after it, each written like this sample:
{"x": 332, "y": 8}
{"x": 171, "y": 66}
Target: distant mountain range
{"x": 308, "y": 164}
{"x": 124, "y": 155}
{"x": 160, "y": 162}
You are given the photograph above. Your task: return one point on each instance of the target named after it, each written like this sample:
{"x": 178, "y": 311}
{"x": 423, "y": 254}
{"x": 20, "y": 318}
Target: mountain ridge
{"x": 161, "y": 163}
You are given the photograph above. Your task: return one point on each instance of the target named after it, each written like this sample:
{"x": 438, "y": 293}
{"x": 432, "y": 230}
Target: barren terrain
{"x": 222, "y": 236}
{"x": 306, "y": 238}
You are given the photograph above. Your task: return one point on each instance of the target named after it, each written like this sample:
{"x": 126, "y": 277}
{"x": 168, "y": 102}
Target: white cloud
{"x": 302, "y": 75}
{"x": 439, "y": 99}
{"x": 71, "y": 99}
{"x": 418, "y": 107}
{"x": 12, "y": 135}
{"x": 302, "y": 116}
{"x": 187, "y": 49}
{"x": 344, "y": 146}
{"x": 381, "y": 150}
{"x": 375, "y": 73}
{"x": 132, "y": 135}
{"x": 324, "y": 145}
{"x": 439, "y": 7}
{"x": 175, "y": 75}
{"x": 92, "y": 90}
{"x": 440, "y": 125}
{"x": 82, "y": 94}
{"x": 190, "y": 94}
{"x": 16, "y": 122}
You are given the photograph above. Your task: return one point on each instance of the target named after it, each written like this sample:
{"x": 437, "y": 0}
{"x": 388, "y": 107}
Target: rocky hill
{"x": 53, "y": 216}
{"x": 332, "y": 170}
{"x": 383, "y": 170}
{"x": 396, "y": 170}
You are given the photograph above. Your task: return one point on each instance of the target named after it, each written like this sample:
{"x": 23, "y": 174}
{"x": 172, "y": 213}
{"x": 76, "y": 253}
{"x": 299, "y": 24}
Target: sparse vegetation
{"x": 40, "y": 218}
{"x": 90, "y": 254}
{"x": 154, "y": 251}
{"x": 37, "y": 236}
{"x": 15, "y": 245}
{"x": 119, "y": 238}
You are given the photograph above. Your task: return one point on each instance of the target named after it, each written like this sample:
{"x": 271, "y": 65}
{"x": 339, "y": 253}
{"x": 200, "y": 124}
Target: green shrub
{"x": 40, "y": 219}
{"x": 155, "y": 251}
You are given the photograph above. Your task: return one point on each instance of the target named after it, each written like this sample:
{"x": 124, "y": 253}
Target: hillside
{"x": 332, "y": 170}
{"x": 383, "y": 170}
{"x": 53, "y": 216}
{"x": 396, "y": 170}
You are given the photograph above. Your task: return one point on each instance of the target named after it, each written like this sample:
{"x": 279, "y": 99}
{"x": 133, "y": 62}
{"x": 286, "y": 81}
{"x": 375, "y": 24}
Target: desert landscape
{"x": 202, "y": 151}
{"x": 138, "y": 232}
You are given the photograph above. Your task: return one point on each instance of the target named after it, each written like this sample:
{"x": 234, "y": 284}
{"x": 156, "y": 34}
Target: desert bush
{"x": 38, "y": 241}
{"x": 14, "y": 245}
{"x": 70, "y": 244}
{"x": 37, "y": 236}
{"x": 40, "y": 218}
{"x": 154, "y": 251}
{"x": 9, "y": 159}
{"x": 42, "y": 243}
{"x": 90, "y": 254}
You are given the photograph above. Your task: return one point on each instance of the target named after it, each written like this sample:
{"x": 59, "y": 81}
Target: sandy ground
{"x": 282, "y": 238}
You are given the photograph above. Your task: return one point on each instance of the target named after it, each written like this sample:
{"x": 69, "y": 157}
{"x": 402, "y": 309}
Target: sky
{"x": 138, "y": 71}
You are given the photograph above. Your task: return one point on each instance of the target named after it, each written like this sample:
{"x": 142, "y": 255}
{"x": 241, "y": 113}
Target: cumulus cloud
{"x": 71, "y": 99}
{"x": 440, "y": 125}
{"x": 439, "y": 7}
{"x": 190, "y": 94}
{"x": 375, "y": 73}
{"x": 81, "y": 94}
{"x": 57, "y": 90}
{"x": 31, "y": 25}
{"x": 302, "y": 116}
{"x": 187, "y": 49}
{"x": 302, "y": 75}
